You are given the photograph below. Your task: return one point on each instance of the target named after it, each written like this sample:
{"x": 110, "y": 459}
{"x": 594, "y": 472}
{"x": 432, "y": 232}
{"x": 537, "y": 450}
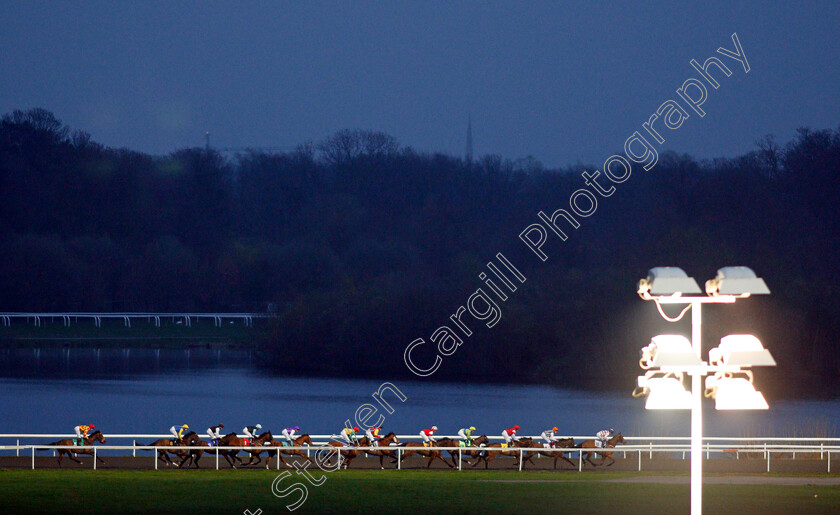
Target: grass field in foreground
{"x": 231, "y": 491}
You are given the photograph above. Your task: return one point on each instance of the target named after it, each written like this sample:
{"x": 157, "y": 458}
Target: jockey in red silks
{"x": 509, "y": 434}
{"x": 427, "y": 435}
{"x": 373, "y": 436}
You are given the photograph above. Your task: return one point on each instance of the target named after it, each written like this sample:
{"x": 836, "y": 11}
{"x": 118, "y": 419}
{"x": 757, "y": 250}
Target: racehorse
{"x": 419, "y": 448}
{"x": 163, "y": 452}
{"x": 481, "y": 441}
{"x": 384, "y": 448}
{"x": 590, "y": 444}
{"x": 560, "y": 443}
{"x": 346, "y": 453}
{"x": 492, "y": 450}
{"x": 258, "y": 445}
{"x": 192, "y": 440}
{"x": 96, "y": 436}
{"x": 296, "y": 442}
{"x": 452, "y": 442}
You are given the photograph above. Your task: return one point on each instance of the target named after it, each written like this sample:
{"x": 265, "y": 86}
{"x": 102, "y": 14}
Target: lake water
{"x": 147, "y": 392}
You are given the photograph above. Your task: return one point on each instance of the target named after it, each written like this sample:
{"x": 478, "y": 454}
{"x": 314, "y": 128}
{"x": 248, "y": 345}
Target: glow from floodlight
{"x": 736, "y": 280}
{"x": 671, "y": 350}
{"x": 665, "y": 393}
{"x": 741, "y": 350}
{"x": 734, "y": 393}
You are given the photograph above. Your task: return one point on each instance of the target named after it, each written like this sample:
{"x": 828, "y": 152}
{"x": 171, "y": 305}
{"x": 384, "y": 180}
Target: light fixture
{"x": 736, "y": 280}
{"x": 734, "y": 393}
{"x": 663, "y": 393}
{"x": 668, "y": 357}
{"x": 669, "y": 350}
{"x": 667, "y": 280}
{"x": 741, "y": 350}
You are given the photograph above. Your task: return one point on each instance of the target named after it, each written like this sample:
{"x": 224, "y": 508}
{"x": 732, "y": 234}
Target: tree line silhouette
{"x": 359, "y": 245}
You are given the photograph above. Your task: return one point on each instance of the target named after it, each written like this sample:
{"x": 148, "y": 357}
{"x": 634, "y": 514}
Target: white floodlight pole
{"x": 697, "y": 391}
{"x": 696, "y": 415}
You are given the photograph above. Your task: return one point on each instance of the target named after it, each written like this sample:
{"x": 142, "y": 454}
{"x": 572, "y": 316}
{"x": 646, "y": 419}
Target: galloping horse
{"x": 492, "y": 450}
{"x": 346, "y": 452}
{"x": 452, "y": 442}
{"x": 258, "y": 445}
{"x": 192, "y": 440}
{"x": 383, "y": 445}
{"x": 419, "y": 448}
{"x": 296, "y": 442}
{"x": 163, "y": 452}
{"x": 481, "y": 441}
{"x": 590, "y": 444}
{"x": 96, "y": 436}
{"x": 561, "y": 443}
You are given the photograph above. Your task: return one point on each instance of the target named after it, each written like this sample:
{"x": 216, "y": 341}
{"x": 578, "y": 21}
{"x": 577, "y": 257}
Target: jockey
{"x": 252, "y": 432}
{"x": 82, "y": 430}
{"x": 213, "y": 431}
{"x": 604, "y": 435}
{"x": 548, "y": 436}
{"x": 466, "y": 434}
{"x": 289, "y": 433}
{"x": 372, "y": 435}
{"x": 348, "y": 434}
{"x": 427, "y": 435}
{"x": 509, "y": 434}
{"x": 178, "y": 432}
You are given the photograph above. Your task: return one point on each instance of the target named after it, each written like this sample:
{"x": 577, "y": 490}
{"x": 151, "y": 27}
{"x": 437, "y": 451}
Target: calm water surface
{"x": 147, "y": 392}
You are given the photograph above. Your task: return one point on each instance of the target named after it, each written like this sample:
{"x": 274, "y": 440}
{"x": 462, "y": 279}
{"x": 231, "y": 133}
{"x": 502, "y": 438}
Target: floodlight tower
{"x": 668, "y": 357}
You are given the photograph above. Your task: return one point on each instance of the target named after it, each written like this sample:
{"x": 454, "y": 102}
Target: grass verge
{"x": 232, "y": 491}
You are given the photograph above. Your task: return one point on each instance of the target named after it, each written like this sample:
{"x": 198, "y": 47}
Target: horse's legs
{"x": 164, "y": 457}
{"x": 567, "y": 460}
{"x": 280, "y": 455}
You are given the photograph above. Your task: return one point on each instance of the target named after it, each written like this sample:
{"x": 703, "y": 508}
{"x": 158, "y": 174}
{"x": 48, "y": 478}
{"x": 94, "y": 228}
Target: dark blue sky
{"x": 564, "y": 82}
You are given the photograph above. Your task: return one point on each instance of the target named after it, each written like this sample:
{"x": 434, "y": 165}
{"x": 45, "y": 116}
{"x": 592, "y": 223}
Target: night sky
{"x": 564, "y": 82}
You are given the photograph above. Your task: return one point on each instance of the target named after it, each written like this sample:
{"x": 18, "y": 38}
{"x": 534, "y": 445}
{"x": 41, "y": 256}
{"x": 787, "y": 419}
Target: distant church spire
{"x": 469, "y": 152}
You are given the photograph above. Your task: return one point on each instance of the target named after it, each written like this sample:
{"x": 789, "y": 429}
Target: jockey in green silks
{"x": 466, "y": 435}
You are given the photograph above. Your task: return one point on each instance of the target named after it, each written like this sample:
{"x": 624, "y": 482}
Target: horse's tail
{"x": 47, "y": 449}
